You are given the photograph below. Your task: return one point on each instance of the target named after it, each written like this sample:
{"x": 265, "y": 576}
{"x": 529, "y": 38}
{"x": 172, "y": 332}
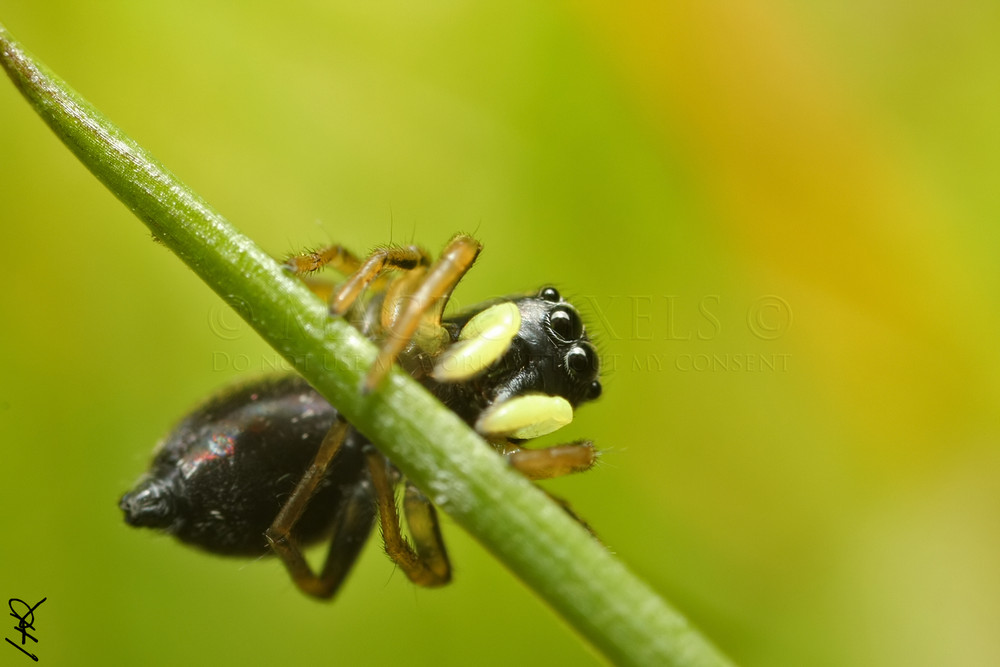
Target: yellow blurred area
{"x": 779, "y": 219}
{"x": 815, "y": 186}
{"x": 810, "y": 187}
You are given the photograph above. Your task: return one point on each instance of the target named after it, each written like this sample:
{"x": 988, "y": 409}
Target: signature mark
{"x": 26, "y": 621}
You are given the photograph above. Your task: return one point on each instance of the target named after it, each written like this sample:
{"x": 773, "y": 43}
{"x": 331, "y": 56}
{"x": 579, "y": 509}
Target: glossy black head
{"x": 556, "y": 354}
{"x": 550, "y": 354}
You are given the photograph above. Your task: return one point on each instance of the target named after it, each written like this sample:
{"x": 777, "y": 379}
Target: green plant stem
{"x": 518, "y": 523}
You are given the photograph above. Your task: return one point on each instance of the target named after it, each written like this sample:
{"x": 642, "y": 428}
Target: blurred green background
{"x": 780, "y": 218}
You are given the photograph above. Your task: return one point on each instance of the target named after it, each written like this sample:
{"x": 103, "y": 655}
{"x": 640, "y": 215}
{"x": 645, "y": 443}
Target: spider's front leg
{"x": 423, "y": 304}
{"x": 361, "y": 275}
{"x": 303, "y": 265}
{"x": 380, "y": 261}
{"x": 550, "y": 462}
{"x": 416, "y": 299}
{"x": 336, "y": 255}
{"x": 528, "y": 417}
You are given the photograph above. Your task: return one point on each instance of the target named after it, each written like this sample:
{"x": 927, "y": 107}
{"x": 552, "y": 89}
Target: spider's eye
{"x": 565, "y": 324}
{"x": 594, "y": 391}
{"x": 582, "y": 361}
{"x": 550, "y": 294}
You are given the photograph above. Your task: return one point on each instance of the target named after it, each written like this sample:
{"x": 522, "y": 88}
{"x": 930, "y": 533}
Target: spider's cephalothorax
{"x": 535, "y": 366}
{"x": 274, "y": 465}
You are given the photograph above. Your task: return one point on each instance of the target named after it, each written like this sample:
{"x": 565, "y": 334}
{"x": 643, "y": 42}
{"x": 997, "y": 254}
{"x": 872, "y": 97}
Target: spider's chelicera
{"x": 272, "y": 465}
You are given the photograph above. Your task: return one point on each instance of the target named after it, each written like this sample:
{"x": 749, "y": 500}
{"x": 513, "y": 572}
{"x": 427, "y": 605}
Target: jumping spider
{"x": 272, "y": 465}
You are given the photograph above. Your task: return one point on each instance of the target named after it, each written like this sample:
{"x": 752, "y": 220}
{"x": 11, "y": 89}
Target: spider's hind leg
{"x": 353, "y": 522}
{"x": 426, "y": 562}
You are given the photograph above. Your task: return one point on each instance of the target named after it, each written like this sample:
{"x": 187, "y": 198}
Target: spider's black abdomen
{"x": 220, "y": 478}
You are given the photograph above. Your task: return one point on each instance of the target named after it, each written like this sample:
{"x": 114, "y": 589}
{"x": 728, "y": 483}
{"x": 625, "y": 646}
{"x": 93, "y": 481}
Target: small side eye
{"x": 565, "y": 324}
{"x": 582, "y": 361}
{"x": 549, "y": 294}
{"x": 594, "y": 391}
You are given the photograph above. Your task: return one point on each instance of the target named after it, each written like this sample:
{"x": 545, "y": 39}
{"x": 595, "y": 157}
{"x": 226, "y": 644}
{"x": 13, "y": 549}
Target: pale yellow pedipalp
{"x": 483, "y": 340}
{"x": 528, "y": 416}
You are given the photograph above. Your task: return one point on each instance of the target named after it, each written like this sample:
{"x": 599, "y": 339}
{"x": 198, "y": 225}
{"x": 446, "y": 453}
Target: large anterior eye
{"x": 582, "y": 361}
{"x": 565, "y": 324}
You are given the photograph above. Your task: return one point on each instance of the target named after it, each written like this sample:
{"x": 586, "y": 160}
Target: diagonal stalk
{"x": 531, "y": 535}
